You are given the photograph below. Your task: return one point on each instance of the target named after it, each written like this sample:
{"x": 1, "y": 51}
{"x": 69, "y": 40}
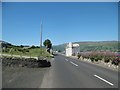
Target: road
{"x": 70, "y": 73}
{"x": 64, "y": 73}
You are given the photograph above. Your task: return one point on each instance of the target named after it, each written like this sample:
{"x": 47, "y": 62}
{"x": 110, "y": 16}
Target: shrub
{"x": 116, "y": 61}
{"x": 32, "y": 47}
{"x": 78, "y": 56}
{"x": 92, "y": 59}
{"x": 96, "y": 59}
{"x": 99, "y": 55}
{"x": 106, "y": 59}
{"x": 85, "y": 55}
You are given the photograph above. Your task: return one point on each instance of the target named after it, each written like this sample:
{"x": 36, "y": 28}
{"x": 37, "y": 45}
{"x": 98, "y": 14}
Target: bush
{"x": 85, "y": 55}
{"x": 92, "y": 59}
{"x": 78, "y": 56}
{"x": 96, "y": 59}
{"x": 106, "y": 59}
{"x": 32, "y": 47}
{"x": 99, "y": 55}
{"x": 116, "y": 61}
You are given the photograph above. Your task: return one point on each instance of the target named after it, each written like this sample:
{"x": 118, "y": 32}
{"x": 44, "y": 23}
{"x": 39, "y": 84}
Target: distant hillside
{"x": 84, "y": 46}
{"x": 92, "y": 46}
{"x": 60, "y": 47}
{"x": 5, "y": 44}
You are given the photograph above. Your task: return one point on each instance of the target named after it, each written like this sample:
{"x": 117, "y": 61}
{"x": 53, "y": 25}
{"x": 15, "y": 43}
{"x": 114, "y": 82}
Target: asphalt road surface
{"x": 70, "y": 73}
{"x": 64, "y": 73}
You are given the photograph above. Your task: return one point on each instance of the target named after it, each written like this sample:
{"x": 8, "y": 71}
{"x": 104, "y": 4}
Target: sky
{"x": 62, "y": 22}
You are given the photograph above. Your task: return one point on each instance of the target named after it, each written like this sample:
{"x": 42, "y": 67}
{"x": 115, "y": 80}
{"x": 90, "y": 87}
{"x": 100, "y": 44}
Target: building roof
{"x": 70, "y": 45}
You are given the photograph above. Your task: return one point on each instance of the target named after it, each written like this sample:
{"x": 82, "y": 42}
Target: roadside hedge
{"x": 106, "y": 56}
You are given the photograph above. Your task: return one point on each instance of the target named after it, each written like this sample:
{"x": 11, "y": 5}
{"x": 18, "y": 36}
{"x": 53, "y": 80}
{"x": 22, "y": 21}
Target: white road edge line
{"x": 66, "y": 59}
{"x": 73, "y": 63}
{"x": 104, "y": 80}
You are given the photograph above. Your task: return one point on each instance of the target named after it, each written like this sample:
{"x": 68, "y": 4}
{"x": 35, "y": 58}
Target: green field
{"x": 32, "y": 52}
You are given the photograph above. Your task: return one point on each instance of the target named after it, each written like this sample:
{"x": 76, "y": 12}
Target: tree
{"x": 47, "y": 43}
{"x": 21, "y": 46}
{"x": 32, "y": 46}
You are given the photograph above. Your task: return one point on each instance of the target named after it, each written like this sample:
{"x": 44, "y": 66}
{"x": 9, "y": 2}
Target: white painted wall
{"x": 72, "y": 48}
{"x": 68, "y": 51}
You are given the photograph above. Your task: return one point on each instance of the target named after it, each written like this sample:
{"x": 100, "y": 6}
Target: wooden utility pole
{"x": 41, "y": 38}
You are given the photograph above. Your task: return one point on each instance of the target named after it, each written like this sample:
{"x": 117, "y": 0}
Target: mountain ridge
{"x": 91, "y": 46}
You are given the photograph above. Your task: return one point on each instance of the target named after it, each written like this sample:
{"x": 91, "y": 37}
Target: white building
{"x": 72, "y": 49}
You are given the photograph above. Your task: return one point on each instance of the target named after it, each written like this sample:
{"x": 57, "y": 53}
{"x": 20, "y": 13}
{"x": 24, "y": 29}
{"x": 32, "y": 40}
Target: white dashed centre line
{"x": 73, "y": 63}
{"x": 104, "y": 80}
{"x": 66, "y": 59}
